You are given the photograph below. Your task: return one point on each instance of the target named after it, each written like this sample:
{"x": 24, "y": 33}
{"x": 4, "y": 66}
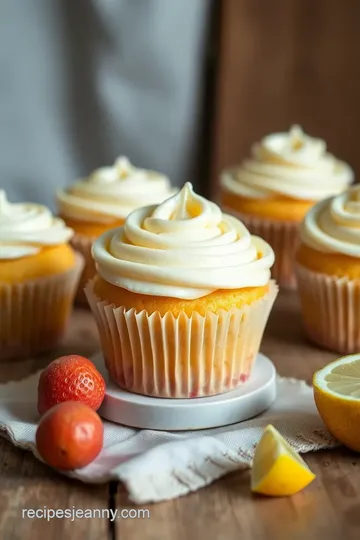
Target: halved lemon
{"x": 337, "y": 397}
{"x": 277, "y": 469}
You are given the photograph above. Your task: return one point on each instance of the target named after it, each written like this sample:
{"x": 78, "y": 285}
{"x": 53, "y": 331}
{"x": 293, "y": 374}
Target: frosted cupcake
{"x": 181, "y": 298}
{"x": 103, "y": 201}
{"x": 328, "y": 271}
{"x": 272, "y": 191}
{"x": 39, "y": 273}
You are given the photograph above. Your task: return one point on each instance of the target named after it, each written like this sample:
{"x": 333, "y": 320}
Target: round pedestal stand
{"x": 250, "y": 399}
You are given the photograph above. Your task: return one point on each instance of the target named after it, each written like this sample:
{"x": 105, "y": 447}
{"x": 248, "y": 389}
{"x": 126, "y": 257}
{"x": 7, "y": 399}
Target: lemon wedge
{"x": 337, "y": 397}
{"x": 277, "y": 469}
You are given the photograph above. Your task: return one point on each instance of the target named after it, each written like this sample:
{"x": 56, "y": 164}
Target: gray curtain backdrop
{"x": 83, "y": 81}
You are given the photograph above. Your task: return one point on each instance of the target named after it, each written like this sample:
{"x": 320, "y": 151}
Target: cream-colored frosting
{"x": 25, "y": 228}
{"x": 183, "y": 248}
{"x": 111, "y": 193}
{"x": 289, "y": 164}
{"x": 333, "y": 225}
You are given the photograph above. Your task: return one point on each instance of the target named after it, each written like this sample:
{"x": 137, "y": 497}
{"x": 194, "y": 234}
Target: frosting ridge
{"x": 25, "y": 228}
{"x": 184, "y": 248}
{"x": 333, "y": 225}
{"x": 290, "y": 164}
{"x": 111, "y": 193}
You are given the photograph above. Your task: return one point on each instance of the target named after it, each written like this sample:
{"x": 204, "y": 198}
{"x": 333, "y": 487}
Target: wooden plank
{"x": 283, "y": 62}
{"x": 27, "y": 483}
{"x": 329, "y": 508}
{"x": 226, "y": 510}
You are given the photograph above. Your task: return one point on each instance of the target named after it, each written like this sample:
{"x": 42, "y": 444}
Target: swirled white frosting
{"x": 183, "y": 248}
{"x": 289, "y": 164}
{"x": 25, "y": 228}
{"x": 111, "y": 193}
{"x": 333, "y": 225}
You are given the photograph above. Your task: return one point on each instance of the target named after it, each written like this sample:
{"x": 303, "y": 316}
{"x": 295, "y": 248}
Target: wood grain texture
{"x": 328, "y": 509}
{"x": 226, "y": 510}
{"x": 27, "y": 483}
{"x": 283, "y": 62}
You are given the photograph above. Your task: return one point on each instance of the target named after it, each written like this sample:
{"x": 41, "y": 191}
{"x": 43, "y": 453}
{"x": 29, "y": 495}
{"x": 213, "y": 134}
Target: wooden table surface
{"x": 329, "y": 508}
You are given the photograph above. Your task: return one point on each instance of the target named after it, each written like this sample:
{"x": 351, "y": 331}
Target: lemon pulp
{"x": 337, "y": 397}
{"x": 277, "y": 469}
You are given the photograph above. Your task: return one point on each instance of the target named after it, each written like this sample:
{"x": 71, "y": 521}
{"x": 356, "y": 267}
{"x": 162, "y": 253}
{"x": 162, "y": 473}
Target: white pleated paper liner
{"x": 183, "y": 356}
{"x": 34, "y": 314}
{"x": 331, "y": 310}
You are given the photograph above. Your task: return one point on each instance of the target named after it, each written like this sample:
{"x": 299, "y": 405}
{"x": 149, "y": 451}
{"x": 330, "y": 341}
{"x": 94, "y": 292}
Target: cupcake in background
{"x": 328, "y": 272}
{"x": 103, "y": 201}
{"x": 39, "y": 274}
{"x": 181, "y": 298}
{"x": 271, "y": 191}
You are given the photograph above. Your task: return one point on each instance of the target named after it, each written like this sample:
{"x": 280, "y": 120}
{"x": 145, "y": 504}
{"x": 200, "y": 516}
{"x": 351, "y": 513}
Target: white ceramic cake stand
{"x": 250, "y": 399}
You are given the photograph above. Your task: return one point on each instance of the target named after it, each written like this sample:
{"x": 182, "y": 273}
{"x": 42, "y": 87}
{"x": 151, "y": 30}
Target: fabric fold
{"x": 158, "y": 465}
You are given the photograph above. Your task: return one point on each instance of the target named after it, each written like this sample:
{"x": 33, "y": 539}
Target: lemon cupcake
{"x": 39, "y": 273}
{"x": 272, "y": 191}
{"x": 102, "y": 201}
{"x": 328, "y": 271}
{"x": 181, "y": 298}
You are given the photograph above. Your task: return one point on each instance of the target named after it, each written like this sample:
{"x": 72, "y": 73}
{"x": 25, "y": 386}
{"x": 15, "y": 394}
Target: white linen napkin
{"x": 158, "y": 465}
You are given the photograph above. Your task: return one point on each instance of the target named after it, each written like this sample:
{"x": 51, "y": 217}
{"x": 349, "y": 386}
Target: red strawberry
{"x": 70, "y": 378}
